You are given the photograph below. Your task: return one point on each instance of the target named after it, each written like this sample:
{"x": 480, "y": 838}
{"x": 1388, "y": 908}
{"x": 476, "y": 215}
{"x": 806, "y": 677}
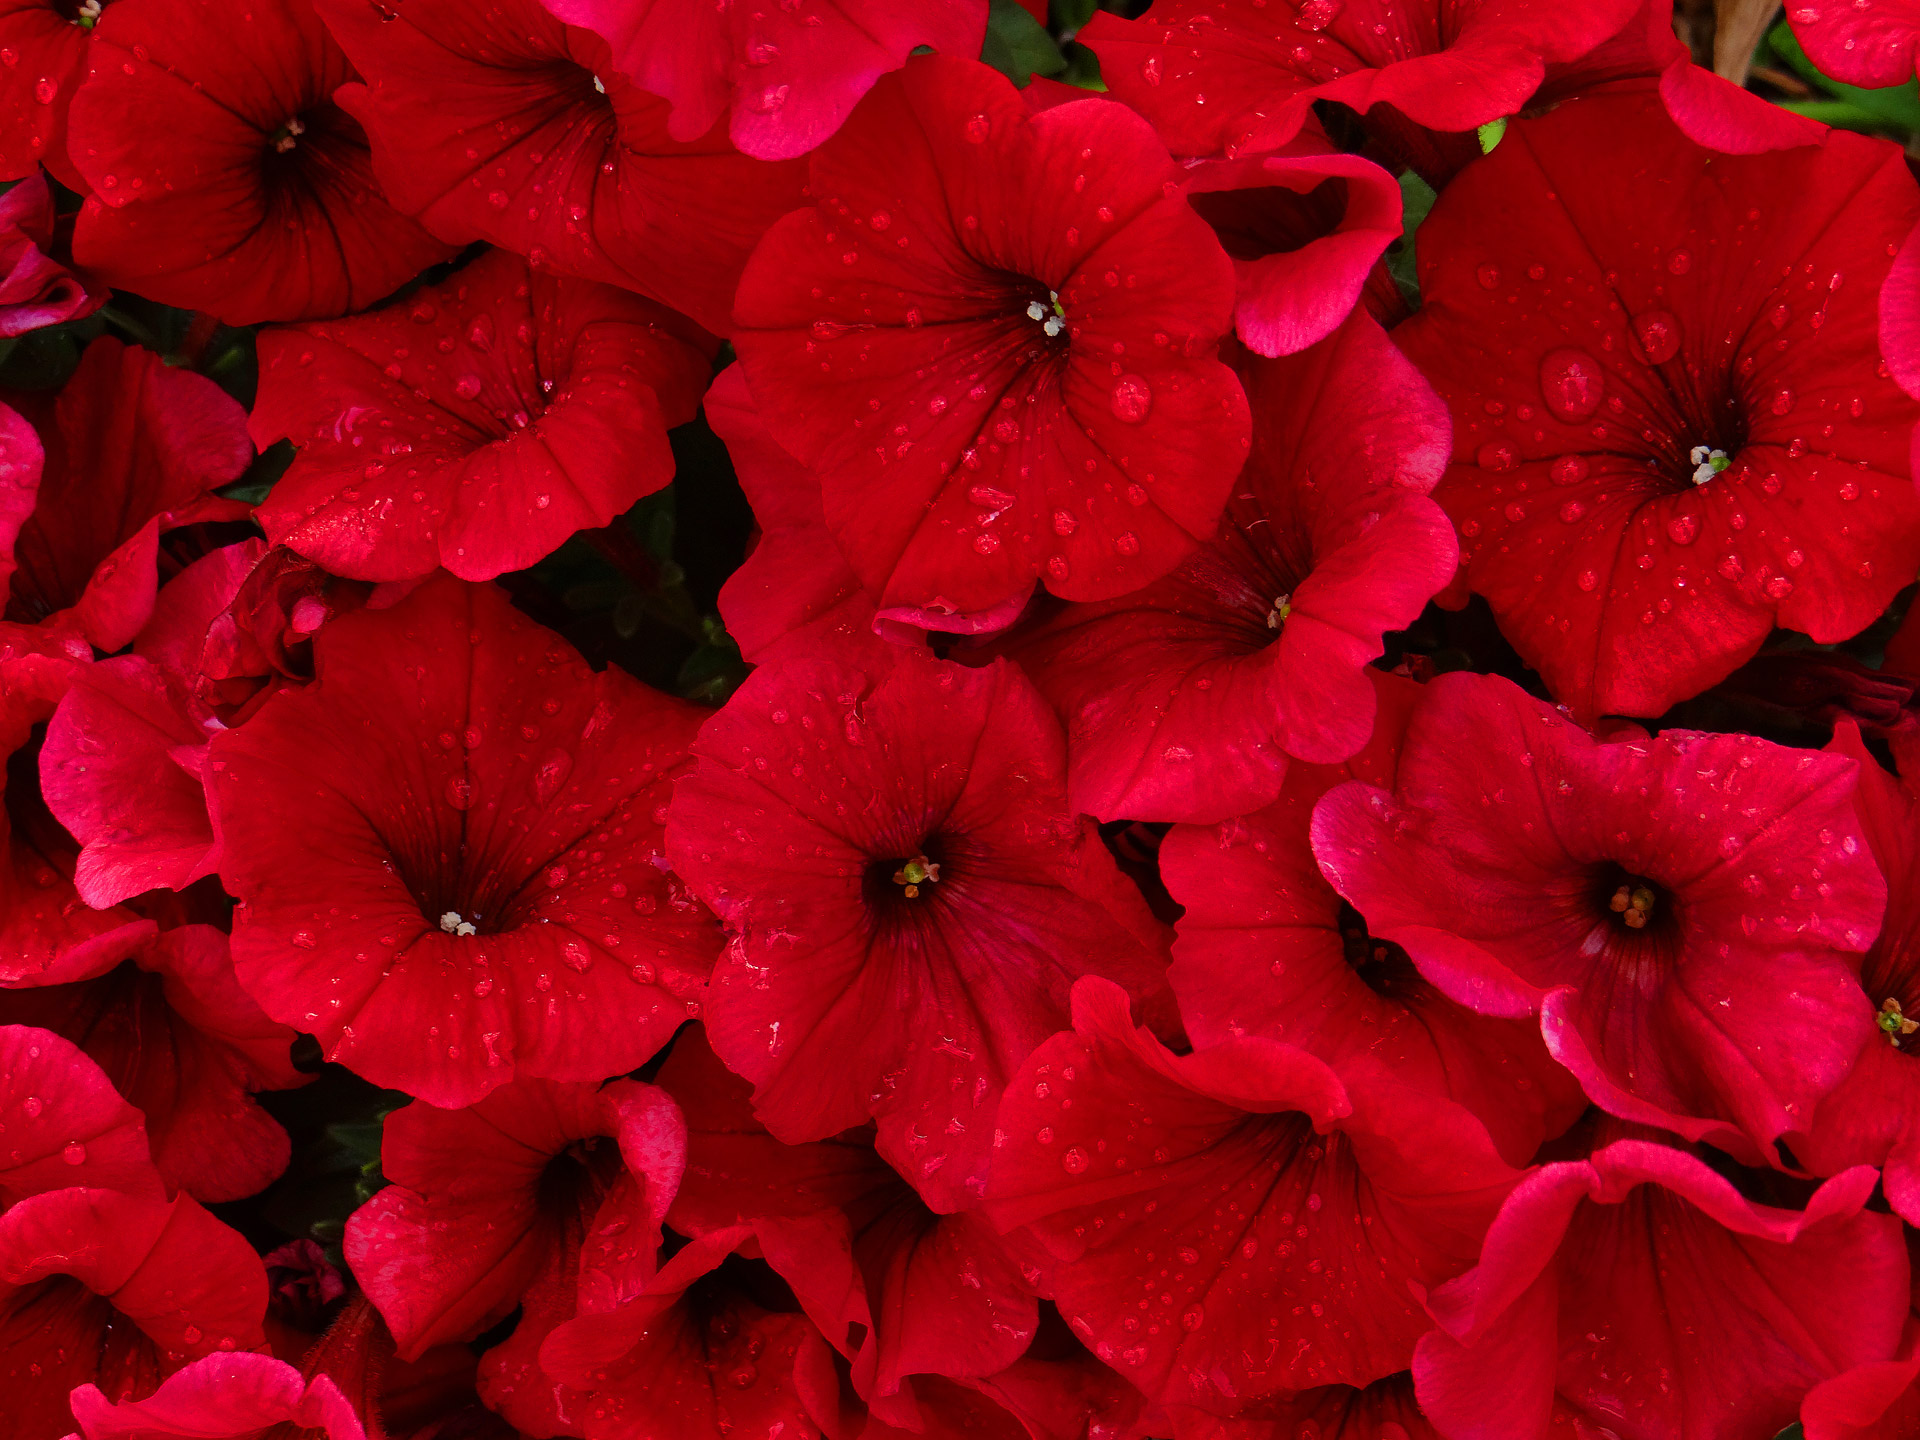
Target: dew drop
{"x": 1572, "y": 384}
{"x": 1131, "y": 399}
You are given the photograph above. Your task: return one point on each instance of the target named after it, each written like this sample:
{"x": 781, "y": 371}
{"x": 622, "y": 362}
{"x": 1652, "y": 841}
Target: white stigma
{"x": 454, "y": 925}
{"x": 292, "y": 128}
{"x": 1282, "y": 608}
{"x": 599, "y": 84}
{"x": 1707, "y": 463}
{"x": 1051, "y": 320}
{"x": 90, "y": 10}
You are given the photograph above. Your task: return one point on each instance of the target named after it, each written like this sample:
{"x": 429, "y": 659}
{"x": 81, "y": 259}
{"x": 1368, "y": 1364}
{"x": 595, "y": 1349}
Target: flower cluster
{"x": 844, "y": 719}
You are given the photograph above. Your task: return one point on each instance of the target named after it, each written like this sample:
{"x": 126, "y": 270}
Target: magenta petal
{"x": 109, "y": 774}
{"x": 222, "y": 1395}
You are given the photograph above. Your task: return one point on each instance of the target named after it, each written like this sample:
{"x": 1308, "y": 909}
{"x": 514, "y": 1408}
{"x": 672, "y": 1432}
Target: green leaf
{"x": 1792, "y": 1432}
{"x": 1491, "y": 133}
{"x": 1896, "y": 107}
{"x": 267, "y": 467}
{"x": 1070, "y": 15}
{"x": 1017, "y": 45}
{"x": 1416, "y": 199}
{"x": 1083, "y": 68}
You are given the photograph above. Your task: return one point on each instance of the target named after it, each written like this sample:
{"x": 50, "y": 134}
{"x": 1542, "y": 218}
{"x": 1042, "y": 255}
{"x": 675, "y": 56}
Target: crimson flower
{"x": 1873, "y": 1116}
{"x": 47, "y": 933}
{"x": 1636, "y": 1291}
{"x": 489, "y": 1208}
{"x": 1671, "y": 429}
{"x": 907, "y": 893}
{"x": 795, "y": 578}
{"x": 1384, "y": 1410}
{"x": 43, "y": 59}
{"x": 174, "y": 1033}
{"x": 939, "y": 1296}
{"x": 785, "y": 78}
{"x": 132, "y": 447}
{"x": 223, "y": 1397}
{"x": 794, "y": 575}
{"x": 125, "y": 752}
{"x": 67, "y": 1125}
{"x": 224, "y": 177}
{"x": 489, "y": 900}
{"x": 1305, "y": 227}
{"x": 503, "y": 124}
{"x": 474, "y": 425}
{"x": 1268, "y": 948}
{"x": 1221, "y": 77}
{"x": 707, "y": 1349}
{"x": 35, "y": 289}
{"x": 1685, "y": 914}
{"x": 116, "y": 1291}
{"x": 1231, "y": 1226}
{"x": 1872, "y": 43}
{"x": 1877, "y": 1400}
{"x": 994, "y": 337}
{"x": 1184, "y": 700}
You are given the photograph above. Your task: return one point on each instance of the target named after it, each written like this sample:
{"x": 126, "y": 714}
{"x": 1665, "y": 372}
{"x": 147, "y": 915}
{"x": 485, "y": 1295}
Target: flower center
{"x": 88, "y": 14}
{"x": 1893, "y": 1022}
{"x": 1052, "y": 320}
{"x": 1707, "y": 463}
{"x": 1634, "y": 905}
{"x": 455, "y": 924}
{"x": 915, "y": 873}
{"x": 1277, "y": 616}
{"x": 287, "y": 136}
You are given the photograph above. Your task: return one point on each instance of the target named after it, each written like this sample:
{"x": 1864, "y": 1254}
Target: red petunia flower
{"x": 994, "y": 337}
{"x": 490, "y": 898}
{"x": 703, "y": 1352}
{"x": 794, "y": 575}
{"x": 1873, "y": 1117}
{"x": 1671, "y": 432}
{"x": 176, "y": 1035}
{"x": 125, "y": 753}
{"x": 1237, "y": 1224}
{"x": 489, "y": 1209}
{"x": 503, "y": 124}
{"x": 35, "y": 289}
{"x": 1184, "y": 700}
{"x": 121, "y": 769}
{"x": 224, "y": 177}
{"x": 67, "y": 1125}
{"x": 1873, "y": 43}
{"x": 1879, "y": 1400}
{"x": 1685, "y": 914}
{"x": 475, "y": 425}
{"x": 132, "y": 447}
{"x": 223, "y": 1397}
{"x": 1384, "y": 1410}
{"x": 23, "y": 460}
{"x": 908, "y": 895}
{"x": 47, "y": 933}
{"x": 1305, "y": 227}
{"x": 1267, "y": 948}
{"x": 939, "y": 1296}
{"x": 1636, "y": 1291}
{"x": 784, "y": 78}
{"x": 117, "y": 1291}
{"x": 1219, "y": 77}
{"x": 43, "y": 59}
